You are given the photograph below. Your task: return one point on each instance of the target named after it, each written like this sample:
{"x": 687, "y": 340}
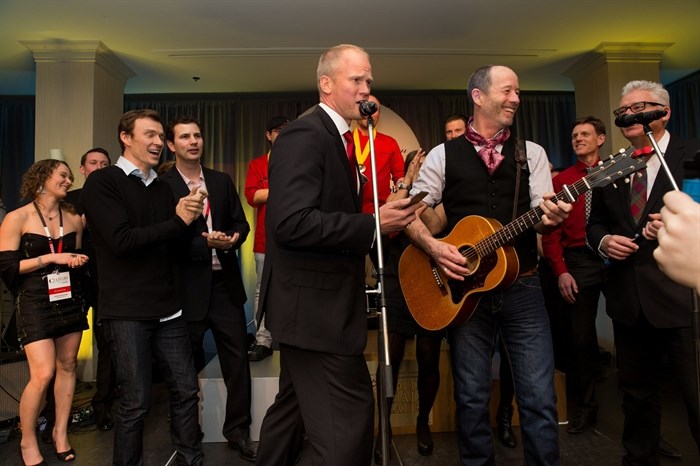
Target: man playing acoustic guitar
{"x": 480, "y": 175}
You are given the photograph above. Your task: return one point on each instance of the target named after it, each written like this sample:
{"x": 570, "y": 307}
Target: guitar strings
{"x": 500, "y": 237}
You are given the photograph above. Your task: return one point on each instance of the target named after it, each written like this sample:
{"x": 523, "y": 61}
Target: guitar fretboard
{"x": 611, "y": 170}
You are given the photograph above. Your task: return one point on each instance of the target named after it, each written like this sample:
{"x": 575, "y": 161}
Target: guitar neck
{"x": 528, "y": 220}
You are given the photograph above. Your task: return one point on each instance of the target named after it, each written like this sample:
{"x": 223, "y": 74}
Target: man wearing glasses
{"x": 650, "y": 312}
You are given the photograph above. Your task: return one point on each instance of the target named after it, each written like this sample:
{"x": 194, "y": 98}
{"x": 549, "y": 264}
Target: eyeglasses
{"x": 635, "y": 107}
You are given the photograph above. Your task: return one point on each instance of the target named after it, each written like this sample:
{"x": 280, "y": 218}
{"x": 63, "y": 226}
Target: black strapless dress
{"x": 37, "y": 317}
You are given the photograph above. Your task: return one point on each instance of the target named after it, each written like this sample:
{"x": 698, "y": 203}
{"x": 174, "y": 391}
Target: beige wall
{"x": 79, "y": 99}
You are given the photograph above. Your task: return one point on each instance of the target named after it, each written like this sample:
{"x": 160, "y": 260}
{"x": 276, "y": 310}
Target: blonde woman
{"x": 40, "y": 265}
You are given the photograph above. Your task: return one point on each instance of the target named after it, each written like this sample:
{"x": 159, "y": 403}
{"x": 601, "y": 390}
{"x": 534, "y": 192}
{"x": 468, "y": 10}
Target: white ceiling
{"x": 273, "y": 45}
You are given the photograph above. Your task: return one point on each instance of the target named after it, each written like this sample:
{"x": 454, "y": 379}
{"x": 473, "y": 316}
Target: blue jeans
{"x": 518, "y": 313}
{"x": 135, "y": 344}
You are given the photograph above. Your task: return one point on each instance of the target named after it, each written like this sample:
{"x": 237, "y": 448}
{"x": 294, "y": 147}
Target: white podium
{"x": 212, "y": 406}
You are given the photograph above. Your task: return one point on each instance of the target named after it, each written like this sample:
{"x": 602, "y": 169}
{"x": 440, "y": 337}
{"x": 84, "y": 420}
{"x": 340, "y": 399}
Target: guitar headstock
{"x": 615, "y": 167}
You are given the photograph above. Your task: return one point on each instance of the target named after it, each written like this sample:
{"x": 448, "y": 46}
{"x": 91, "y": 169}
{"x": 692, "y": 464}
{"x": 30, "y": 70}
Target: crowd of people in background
{"x": 155, "y": 255}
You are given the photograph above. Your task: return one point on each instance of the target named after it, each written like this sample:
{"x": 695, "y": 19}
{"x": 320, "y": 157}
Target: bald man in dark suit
{"x": 312, "y": 291}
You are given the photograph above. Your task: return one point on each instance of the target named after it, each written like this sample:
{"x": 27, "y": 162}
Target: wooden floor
{"x": 596, "y": 448}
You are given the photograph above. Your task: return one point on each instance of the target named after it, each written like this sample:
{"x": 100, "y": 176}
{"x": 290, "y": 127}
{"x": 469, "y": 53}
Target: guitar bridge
{"x": 438, "y": 279}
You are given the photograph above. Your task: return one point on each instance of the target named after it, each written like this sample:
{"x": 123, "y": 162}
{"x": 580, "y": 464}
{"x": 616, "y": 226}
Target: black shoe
{"x": 103, "y": 418}
{"x": 65, "y": 456}
{"x": 259, "y": 353}
{"x": 47, "y": 433}
{"x": 424, "y": 438}
{"x": 668, "y": 450}
{"x": 581, "y": 422}
{"x": 247, "y": 449}
{"x": 43, "y": 462}
{"x": 504, "y": 418}
{"x": 378, "y": 451}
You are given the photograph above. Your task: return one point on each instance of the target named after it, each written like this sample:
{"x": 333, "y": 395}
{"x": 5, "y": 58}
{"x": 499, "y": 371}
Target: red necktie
{"x": 638, "y": 195}
{"x": 351, "y": 156}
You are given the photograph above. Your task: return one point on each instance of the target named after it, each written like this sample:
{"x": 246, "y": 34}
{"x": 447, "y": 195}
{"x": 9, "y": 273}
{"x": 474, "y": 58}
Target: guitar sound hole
{"x": 472, "y": 258}
{"x": 474, "y": 281}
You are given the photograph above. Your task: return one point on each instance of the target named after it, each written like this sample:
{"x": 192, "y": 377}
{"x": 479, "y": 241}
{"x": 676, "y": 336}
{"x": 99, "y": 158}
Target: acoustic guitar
{"x": 436, "y": 301}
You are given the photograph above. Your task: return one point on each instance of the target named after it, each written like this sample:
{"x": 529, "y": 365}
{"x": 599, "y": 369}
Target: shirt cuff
{"x": 600, "y": 248}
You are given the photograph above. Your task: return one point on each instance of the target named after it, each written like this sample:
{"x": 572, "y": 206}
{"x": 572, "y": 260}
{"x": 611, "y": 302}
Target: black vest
{"x": 471, "y": 190}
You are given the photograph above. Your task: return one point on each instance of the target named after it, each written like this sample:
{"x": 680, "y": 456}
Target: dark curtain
{"x": 546, "y": 118}
{"x": 234, "y": 124}
{"x": 543, "y": 117}
{"x": 16, "y": 145}
{"x": 685, "y": 105}
{"x": 234, "y": 128}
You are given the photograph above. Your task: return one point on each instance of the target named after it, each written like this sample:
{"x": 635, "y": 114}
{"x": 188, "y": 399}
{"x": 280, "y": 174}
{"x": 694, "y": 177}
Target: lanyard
{"x": 207, "y": 209}
{"x": 48, "y": 234}
{"x": 361, "y": 154}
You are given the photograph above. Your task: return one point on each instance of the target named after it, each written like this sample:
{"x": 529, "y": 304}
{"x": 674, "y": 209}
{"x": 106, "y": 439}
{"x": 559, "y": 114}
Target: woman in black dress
{"x": 39, "y": 264}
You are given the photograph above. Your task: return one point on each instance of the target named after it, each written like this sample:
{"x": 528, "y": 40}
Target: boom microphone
{"x": 643, "y": 118}
{"x": 367, "y": 108}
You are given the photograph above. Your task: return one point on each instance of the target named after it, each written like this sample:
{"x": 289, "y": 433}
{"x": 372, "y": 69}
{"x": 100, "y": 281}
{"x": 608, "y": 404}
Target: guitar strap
{"x": 521, "y": 159}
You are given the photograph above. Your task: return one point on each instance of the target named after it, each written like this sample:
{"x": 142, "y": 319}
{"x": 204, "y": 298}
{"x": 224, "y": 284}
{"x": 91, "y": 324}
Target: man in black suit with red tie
{"x": 312, "y": 291}
{"x": 650, "y": 312}
{"x": 209, "y": 279}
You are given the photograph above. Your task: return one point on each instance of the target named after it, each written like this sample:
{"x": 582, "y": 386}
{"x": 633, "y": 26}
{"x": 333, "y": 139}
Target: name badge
{"x": 59, "y": 286}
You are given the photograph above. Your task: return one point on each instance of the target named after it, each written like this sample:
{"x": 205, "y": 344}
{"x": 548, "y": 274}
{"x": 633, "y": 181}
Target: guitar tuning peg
{"x": 627, "y": 180}
{"x": 614, "y": 185}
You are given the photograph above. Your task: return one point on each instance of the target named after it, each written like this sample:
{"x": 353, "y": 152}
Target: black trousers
{"x": 330, "y": 397}
{"x": 590, "y": 274}
{"x": 105, "y": 378}
{"x": 641, "y": 350}
{"x": 228, "y": 326}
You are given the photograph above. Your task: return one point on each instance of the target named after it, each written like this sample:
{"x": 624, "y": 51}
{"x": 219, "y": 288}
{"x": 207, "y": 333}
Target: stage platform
{"x": 265, "y": 384}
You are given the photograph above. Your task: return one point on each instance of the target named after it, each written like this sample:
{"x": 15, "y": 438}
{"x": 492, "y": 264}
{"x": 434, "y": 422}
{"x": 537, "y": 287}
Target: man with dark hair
{"x": 94, "y": 159}
{"x": 651, "y": 313}
{"x": 580, "y": 273}
{"x": 210, "y": 283}
{"x": 105, "y": 383}
{"x": 256, "y": 193}
{"x": 455, "y": 126}
{"x": 487, "y": 174}
{"x": 138, "y": 228}
{"x": 312, "y": 290}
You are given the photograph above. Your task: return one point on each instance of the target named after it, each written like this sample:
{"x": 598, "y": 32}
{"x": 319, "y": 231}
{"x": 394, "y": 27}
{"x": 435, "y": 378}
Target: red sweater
{"x": 572, "y": 232}
{"x": 390, "y": 164}
{"x": 255, "y": 180}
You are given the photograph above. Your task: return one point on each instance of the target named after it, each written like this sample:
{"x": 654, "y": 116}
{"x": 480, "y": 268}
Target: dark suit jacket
{"x": 194, "y": 273}
{"x": 636, "y": 284}
{"x": 312, "y": 291}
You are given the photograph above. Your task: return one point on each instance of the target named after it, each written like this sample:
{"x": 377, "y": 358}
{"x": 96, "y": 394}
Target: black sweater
{"x": 134, "y": 230}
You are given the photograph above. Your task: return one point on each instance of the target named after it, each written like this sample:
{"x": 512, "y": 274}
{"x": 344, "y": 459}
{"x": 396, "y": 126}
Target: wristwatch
{"x": 402, "y": 185}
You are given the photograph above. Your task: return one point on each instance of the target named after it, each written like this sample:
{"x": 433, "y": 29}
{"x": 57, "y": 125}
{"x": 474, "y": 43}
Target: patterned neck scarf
{"x": 488, "y": 153}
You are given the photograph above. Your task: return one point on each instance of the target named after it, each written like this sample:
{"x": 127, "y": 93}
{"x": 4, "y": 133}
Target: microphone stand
{"x": 385, "y": 385}
{"x": 695, "y": 311}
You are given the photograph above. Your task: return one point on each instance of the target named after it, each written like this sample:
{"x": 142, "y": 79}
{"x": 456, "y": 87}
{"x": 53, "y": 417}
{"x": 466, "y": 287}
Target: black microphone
{"x": 367, "y": 108}
{"x": 643, "y": 118}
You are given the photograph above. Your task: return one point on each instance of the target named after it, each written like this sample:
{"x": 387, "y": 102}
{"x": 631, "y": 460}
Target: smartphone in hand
{"x": 416, "y": 199}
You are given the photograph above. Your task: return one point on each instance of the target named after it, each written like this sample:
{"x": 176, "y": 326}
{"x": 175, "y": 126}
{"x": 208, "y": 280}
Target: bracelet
{"x": 40, "y": 261}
